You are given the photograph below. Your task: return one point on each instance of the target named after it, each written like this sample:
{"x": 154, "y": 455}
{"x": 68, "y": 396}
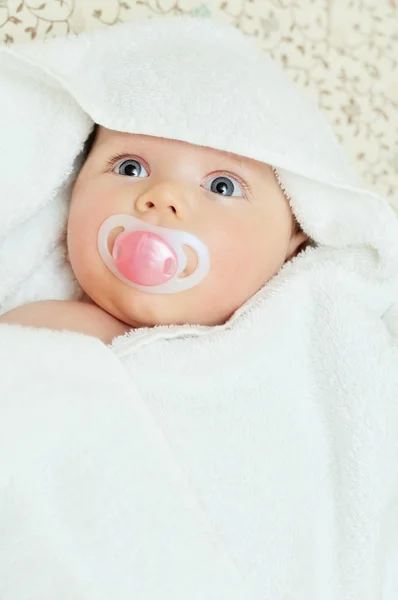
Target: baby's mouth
{"x": 192, "y": 258}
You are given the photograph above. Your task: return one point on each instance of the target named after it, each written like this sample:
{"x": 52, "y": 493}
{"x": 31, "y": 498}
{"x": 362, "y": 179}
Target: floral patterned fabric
{"x": 344, "y": 53}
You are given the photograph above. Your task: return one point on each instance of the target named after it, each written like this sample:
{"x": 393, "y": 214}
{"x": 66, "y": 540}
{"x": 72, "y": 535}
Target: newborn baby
{"x": 233, "y": 205}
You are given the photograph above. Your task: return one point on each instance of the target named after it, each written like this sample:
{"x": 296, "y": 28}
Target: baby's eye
{"x": 131, "y": 168}
{"x": 224, "y": 186}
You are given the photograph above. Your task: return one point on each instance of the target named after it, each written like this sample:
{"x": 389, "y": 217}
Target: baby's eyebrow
{"x": 237, "y": 160}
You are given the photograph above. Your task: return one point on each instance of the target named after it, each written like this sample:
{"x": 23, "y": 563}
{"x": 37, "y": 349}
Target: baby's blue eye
{"x": 224, "y": 186}
{"x": 131, "y": 168}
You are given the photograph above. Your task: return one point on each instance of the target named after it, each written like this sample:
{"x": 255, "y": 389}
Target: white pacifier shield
{"x": 163, "y": 245}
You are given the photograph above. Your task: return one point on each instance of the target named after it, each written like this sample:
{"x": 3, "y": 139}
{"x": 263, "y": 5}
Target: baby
{"x": 233, "y": 206}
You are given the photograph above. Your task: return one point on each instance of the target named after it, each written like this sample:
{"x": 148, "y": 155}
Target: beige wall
{"x": 342, "y": 52}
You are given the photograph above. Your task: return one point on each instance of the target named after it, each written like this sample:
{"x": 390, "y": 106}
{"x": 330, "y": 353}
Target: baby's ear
{"x": 64, "y": 242}
{"x": 298, "y": 242}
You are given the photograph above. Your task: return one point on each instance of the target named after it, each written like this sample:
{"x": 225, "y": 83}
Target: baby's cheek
{"x": 229, "y": 282}
{"x": 231, "y": 253}
{"x": 243, "y": 260}
{"x": 82, "y": 244}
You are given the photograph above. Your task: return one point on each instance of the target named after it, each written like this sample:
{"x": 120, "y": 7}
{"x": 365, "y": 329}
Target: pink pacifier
{"x": 151, "y": 258}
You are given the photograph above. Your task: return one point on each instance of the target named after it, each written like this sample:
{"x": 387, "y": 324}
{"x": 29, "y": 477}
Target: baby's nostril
{"x": 173, "y": 209}
{"x": 150, "y": 204}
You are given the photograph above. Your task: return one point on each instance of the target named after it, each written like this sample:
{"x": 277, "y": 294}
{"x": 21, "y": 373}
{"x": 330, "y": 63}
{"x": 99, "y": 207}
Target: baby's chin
{"x": 139, "y": 309}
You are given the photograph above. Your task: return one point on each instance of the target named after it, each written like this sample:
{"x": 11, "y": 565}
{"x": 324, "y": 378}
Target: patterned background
{"x": 343, "y": 52}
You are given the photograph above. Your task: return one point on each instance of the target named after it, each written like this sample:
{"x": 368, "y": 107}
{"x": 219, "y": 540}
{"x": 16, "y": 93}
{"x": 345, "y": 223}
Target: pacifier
{"x": 151, "y": 258}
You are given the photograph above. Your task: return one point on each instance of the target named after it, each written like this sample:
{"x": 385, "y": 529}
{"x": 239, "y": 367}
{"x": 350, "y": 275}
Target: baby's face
{"x": 232, "y": 204}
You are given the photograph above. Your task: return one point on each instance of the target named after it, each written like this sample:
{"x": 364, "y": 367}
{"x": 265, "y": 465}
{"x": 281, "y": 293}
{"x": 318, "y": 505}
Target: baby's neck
{"x": 87, "y": 299}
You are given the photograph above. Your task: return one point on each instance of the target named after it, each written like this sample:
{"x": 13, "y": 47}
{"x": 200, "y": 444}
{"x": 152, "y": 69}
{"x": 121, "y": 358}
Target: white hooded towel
{"x": 252, "y": 460}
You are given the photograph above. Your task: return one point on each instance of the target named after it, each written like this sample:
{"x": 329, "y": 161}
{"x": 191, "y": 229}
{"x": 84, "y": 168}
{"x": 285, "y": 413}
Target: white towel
{"x": 93, "y": 504}
{"x": 283, "y": 423}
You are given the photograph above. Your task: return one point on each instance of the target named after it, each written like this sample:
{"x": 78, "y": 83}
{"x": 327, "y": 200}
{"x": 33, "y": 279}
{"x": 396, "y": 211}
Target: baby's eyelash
{"x": 114, "y": 159}
{"x": 241, "y": 182}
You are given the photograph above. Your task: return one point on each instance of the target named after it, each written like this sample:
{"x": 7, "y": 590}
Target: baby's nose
{"x": 164, "y": 199}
